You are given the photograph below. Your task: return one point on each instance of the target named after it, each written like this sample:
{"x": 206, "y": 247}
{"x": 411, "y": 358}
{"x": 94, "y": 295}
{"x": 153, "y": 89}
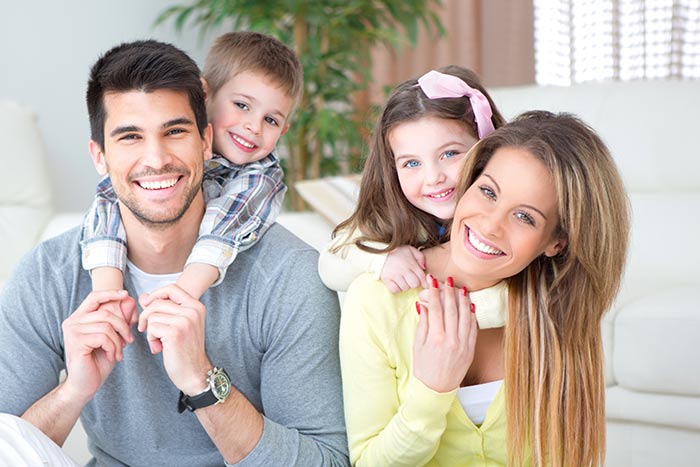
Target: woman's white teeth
{"x": 243, "y": 142}
{"x": 158, "y": 184}
{"x": 481, "y": 246}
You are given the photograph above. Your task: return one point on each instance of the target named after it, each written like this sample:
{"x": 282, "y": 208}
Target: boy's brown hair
{"x": 237, "y": 52}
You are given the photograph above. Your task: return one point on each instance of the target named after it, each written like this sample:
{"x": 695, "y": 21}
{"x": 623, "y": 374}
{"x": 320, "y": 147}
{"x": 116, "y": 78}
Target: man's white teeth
{"x": 482, "y": 247}
{"x": 158, "y": 184}
{"x": 243, "y": 142}
{"x": 443, "y": 194}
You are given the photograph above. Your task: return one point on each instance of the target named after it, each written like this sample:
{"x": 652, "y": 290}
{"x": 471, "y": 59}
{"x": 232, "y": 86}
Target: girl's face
{"x": 429, "y": 155}
{"x": 506, "y": 218}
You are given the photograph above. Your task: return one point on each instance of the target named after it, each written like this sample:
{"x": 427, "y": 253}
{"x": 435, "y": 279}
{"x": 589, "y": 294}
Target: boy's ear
{"x": 207, "y": 140}
{"x": 284, "y": 130}
{"x": 205, "y": 86}
{"x": 556, "y": 246}
{"x": 98, "y": 157}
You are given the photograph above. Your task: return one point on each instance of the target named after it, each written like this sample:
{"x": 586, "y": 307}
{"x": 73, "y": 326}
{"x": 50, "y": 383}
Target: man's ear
{"x": 205, "y": 87}
{"x": 98, "y": 157}
{"x": 207, "y": 139}
{"x": 556, "y": 246}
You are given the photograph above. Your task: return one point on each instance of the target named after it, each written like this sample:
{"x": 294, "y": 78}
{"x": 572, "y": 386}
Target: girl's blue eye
{"x": 450, "y": 153}
{"x": 411, "y": 164}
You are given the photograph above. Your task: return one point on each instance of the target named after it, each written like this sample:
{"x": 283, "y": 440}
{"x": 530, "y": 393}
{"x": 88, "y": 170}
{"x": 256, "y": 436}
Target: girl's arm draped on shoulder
{"x": 387, "y": 424}
{"x": 342, "y": 261}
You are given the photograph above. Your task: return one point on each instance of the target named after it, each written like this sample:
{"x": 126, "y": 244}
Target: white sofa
{"x": 652, "y": 358}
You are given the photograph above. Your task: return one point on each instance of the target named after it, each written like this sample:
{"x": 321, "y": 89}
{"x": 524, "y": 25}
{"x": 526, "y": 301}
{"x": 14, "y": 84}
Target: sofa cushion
{"x": 656, "y": 409}
{"x": 654, "y": 337}
{"x": 24, "y": 184}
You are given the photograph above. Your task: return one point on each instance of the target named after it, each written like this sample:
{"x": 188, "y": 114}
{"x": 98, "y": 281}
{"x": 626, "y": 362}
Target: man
{"x": 248, "y": 376}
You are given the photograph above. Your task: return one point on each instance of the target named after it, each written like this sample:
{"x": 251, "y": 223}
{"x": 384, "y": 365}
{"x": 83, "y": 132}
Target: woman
{"x": 542, "y": 207}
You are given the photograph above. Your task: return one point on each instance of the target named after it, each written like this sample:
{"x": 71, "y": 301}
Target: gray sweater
{"x": 271, "y": 324}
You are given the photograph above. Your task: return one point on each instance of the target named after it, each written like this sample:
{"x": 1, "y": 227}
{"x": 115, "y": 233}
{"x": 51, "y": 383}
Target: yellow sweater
{"x": 392, "y": 418}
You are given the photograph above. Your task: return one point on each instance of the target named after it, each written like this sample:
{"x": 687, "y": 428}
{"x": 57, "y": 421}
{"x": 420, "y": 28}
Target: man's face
{"x": 153, "y": 153}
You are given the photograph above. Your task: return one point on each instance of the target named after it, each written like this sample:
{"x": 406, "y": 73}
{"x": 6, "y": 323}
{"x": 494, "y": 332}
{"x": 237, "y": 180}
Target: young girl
{"x": 407, "y": 194}
{"x": 543, "y": 208}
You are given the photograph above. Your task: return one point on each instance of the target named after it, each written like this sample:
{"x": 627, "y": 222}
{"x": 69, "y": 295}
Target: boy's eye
{"x": 525, "y": 217}
{"x": 488, "y": 192}
{"x": 241, "y": 105}
{"x": 411, "y": 163}
{"x": 271, "y": 121}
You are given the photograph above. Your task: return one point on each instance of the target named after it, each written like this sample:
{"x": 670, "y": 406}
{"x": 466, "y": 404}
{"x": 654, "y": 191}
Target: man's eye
{"x": 175, "y": 131}
{"x": 128, "y": 137}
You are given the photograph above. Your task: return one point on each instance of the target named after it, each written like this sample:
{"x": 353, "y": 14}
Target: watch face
{"x": 221, "y": 386}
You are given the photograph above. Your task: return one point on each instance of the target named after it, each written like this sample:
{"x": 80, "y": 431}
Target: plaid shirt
{"x": 242, "y": 202}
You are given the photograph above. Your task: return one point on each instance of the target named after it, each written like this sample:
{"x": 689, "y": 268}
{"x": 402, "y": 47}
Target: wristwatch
{"x": 219, "y": 389}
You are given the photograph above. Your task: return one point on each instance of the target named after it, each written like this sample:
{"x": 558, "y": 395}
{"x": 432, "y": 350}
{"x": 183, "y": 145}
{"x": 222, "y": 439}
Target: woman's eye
{"x": 241, "y": 105}
{"x": 411, "y": 164}
{"x": 488, "y": 192}
{"x": 271, "y": 121}
{"x": 525, "y": 217}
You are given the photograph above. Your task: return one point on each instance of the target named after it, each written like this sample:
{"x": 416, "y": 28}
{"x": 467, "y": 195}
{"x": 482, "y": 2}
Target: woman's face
{"x": 429, "y": 155}
{"x": 506, "y": 218}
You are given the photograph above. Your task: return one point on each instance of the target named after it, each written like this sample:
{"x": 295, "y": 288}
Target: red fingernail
{"x": 463, "y": 291}
{"x": 450, "y": 281}
{"x": 435, "y": 283}
{"x": 418, "y": 308}
{"x": 472, "y": 308}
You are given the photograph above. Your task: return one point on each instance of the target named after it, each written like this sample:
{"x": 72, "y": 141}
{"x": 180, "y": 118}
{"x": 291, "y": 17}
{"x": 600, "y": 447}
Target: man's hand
{"x": 443, "y": 349}
{"x": 404, "y": 269}
{"x": 174, "y": 322}
{"x": 95, "y": 336}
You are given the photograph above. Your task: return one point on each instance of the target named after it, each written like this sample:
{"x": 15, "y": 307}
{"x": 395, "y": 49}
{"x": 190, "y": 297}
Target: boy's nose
{"x": 253, "y": 125}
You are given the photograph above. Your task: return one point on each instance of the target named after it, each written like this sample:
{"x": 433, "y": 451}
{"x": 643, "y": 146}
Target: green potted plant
{"x": 333, "y": 39}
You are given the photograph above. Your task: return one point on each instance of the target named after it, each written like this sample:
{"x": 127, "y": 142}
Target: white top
{"x": 476, "y": 399}
{"x": 145, "y": 282}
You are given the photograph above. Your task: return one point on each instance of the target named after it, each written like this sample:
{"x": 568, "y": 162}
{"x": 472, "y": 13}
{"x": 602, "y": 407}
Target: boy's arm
{"x": 103, "y": 240}
{"x": 242, "y": 203}
{"x": 339, "y": 268}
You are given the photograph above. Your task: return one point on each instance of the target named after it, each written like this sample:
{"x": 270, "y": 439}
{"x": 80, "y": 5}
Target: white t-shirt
{"x": 147, "y": 283}
{"x": 476, "y": 399}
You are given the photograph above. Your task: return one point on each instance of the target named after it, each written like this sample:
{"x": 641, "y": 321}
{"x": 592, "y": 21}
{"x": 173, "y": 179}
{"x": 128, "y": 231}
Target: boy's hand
{"x": 404, "y": 269}
{"x": 443, "y": 349}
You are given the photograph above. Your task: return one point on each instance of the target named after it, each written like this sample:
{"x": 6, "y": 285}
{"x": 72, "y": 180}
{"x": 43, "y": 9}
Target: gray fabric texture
{"x": 271, "y": 324}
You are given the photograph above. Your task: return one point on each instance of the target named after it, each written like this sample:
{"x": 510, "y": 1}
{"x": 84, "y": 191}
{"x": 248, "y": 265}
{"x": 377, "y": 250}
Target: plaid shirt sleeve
{"x": 103, "y": 240}
{"x": 242, "y": 202}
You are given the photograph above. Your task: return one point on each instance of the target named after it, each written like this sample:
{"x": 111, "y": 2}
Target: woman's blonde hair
{"x": 383, "y": 214}
{"x": 554, "y": 382}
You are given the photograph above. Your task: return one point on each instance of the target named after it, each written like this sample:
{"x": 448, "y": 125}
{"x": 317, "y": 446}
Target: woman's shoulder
{"x": 370, "y": 297}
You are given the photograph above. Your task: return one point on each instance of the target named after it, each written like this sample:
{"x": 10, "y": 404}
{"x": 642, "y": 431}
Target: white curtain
{"x": 591, "y": 40}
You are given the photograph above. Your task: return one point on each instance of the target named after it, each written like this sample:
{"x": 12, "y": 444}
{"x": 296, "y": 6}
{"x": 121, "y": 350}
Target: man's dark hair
{"x": 143, "y": 66}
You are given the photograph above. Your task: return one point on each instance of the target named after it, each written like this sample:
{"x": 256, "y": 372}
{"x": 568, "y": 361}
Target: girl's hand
{"x": 404, "y": 269}
{"x": 443, "y": 349}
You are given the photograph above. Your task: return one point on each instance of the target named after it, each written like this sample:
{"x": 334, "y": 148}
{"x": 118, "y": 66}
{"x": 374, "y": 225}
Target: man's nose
{"x": 157, "y": 154}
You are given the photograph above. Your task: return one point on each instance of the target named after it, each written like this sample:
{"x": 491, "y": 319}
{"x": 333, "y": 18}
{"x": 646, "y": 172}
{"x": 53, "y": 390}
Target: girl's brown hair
{"x": 383, "y": 214}
{"x": 554, "y": 379}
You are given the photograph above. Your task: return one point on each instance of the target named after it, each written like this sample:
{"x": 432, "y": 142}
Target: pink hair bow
{"x": 438, "y": 85}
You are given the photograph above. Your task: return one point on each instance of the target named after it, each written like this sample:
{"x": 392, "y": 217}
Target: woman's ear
{"x": 556, "y": 246}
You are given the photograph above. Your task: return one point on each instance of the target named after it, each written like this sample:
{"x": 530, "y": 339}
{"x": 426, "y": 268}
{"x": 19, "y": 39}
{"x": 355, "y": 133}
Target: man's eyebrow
{"x": 133, "y": 128}
{"x": 124, "y": 129}
{"x": 178, "y": 121}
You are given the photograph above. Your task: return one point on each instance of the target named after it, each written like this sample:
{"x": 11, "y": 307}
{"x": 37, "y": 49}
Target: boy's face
{"x": 249, "y": 114}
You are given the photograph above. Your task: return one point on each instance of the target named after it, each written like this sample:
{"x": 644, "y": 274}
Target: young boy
{"x": 252, "y": 84}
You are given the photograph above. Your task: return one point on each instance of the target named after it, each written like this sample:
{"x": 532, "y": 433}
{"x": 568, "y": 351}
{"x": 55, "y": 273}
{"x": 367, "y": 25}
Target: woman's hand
{"x": 443, "y": 349}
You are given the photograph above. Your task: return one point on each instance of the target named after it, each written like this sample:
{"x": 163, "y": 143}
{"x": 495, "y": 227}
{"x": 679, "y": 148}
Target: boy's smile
{"x": 249, "y": 114}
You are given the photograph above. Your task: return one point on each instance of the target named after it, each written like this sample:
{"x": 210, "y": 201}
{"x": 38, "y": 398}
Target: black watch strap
{"x": 199, "y": 401}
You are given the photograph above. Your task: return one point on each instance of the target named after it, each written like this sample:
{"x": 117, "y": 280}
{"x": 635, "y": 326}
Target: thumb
{"x": 419, "y": 257}
{"x": 128, "y": 309}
